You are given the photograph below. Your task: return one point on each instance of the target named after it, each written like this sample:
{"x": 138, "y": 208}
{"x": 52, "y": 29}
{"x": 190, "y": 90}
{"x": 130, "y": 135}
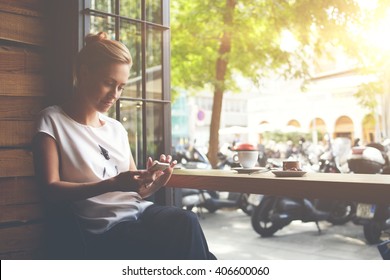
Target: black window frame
{"x": 85, "y": 12}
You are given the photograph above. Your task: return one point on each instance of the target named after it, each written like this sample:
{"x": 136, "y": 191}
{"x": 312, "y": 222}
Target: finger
{"x": 162, "y": 158}
{"x": 169, "y": 158}
{"x": 149, "y": 162}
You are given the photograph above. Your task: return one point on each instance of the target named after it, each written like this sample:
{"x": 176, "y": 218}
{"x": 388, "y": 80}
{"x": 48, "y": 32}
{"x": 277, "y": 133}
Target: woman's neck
{"x": 79, "y": 110}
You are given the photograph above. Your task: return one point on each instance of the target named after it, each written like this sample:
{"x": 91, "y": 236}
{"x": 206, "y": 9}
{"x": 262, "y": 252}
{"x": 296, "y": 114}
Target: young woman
{"x": 84, "y": 157}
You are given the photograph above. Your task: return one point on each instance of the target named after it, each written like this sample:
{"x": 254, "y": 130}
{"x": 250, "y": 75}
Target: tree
{"x": 213, "y": 39}
{"x": 374, "y": 54}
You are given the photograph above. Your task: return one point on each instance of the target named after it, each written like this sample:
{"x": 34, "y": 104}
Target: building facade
{"x": 327, "y": 105}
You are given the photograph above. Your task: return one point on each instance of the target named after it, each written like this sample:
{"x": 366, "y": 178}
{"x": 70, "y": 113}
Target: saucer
{"x": 242, "y": 170}
{"x": 281, "y": 173}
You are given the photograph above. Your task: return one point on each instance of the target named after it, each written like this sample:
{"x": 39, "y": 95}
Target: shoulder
{"x": 50, "y": 111}
{"x": 47, "y": 121}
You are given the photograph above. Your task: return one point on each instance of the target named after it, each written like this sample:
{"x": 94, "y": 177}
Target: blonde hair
{"x": 100, "y": 51}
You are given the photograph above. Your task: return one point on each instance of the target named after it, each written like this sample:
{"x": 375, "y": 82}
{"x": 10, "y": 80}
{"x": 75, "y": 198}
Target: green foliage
{"x": 197, "y": 27}
{"x": 368, "y": 93}
{"x": 204, "y": 38}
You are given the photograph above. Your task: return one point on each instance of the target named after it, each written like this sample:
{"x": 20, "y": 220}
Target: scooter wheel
{"x": 342, "y": 212}
{"x": 261, "y": 221}
{"x": 372, "y": 232}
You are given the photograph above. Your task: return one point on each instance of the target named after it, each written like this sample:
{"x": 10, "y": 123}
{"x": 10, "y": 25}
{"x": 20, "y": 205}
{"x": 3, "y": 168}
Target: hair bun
{"x": 92, "y": 38}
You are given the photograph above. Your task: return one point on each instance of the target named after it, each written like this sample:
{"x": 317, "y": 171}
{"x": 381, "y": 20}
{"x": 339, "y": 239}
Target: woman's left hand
{"x": 164, "y": 176}
{"x": 161, "y": 177}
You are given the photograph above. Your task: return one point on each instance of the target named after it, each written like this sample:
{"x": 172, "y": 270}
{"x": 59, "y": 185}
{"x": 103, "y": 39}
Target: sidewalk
{"x": 230, "y": 236}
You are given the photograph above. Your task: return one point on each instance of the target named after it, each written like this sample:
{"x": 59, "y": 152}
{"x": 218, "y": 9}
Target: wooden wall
{"x": 22, "y": 96}
{"x": 38, "y": 39}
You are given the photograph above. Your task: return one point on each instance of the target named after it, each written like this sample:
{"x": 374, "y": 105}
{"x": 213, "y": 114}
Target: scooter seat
{"x": 313, "y": 214}
{"x": 289, "y": 204}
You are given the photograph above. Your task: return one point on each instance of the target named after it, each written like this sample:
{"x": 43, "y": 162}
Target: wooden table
{"x": 370, "y": 188}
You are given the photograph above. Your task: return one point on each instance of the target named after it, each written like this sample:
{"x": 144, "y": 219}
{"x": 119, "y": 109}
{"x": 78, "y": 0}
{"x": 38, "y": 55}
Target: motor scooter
{"x": 375, "y": 219}
{"x": 272, "y": 213}
{"x": 212, "y": 201}
{"x": 333, "y": 160}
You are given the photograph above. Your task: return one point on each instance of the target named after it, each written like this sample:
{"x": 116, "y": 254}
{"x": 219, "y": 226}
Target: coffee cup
{"x": 248, "y": 159}
{"x": 291, "y": 165}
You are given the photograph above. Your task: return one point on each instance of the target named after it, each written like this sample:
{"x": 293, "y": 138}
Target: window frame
{"x": 85, "y": 12}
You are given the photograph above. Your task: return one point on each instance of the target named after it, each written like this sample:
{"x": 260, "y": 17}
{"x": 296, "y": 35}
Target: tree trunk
{"x": 221, "y": 69}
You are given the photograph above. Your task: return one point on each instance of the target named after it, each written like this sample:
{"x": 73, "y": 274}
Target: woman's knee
{"x": 170, "y": 214}
{"x": 186, "y": 215}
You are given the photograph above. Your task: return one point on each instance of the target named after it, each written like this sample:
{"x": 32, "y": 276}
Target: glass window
{"x": 155, "y": 127}
{"x": 131, "y": 36}
{"x": 153, "y": 11}
{"x": 107, "y": 6}
{"x": 106, "y": 23}
{"x": 153, "y": 63}
{"x": 144, "y": 105}
{"x": 130, "y": 8}
{"x": 131, "y": 118}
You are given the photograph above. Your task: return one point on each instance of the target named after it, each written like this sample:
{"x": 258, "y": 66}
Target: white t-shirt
{"x": 91, "y": 154}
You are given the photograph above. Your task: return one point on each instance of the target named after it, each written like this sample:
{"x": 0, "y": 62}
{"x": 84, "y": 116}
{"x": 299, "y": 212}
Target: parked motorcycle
{"x": 375, "y": 219}
{"x": 212, "y": 201}
{"x": 331, "y": 161}
{"x": 273, "y": 213}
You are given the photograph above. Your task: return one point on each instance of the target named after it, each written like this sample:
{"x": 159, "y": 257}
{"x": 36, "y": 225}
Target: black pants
{"x": 162, "y": 232}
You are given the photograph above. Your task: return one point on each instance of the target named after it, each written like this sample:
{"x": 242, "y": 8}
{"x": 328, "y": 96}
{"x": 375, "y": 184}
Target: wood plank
{"x": 21, "y": 28}
{"x": 21, "y": 213}
{"x": 21, "y": 85}
{"x": 16, "y": 133}
{"x": 20, "y": 60}
{"x": 16, "y": 162}
{"x": 21, "y": 238}
{"x": 23, "y": 7}
{"x": 19, "y": 190}
{"x": 34, "y": 254}
{"x": 20, "y": 108}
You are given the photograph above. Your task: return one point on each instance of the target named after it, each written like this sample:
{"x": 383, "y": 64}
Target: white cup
{"x": 248, "y": 159}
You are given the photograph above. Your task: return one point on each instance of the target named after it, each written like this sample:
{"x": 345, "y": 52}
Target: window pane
{"x": 153, "y": 11}
{"x": 130, "y": 8}
{"x": 131, "y": 118}
{"x": 103, "y": 23}
{"x": 107, "y": 6}
{"x": 130, "y": 35}
{"x": 153, "y": 64}
{"x": 154, "y": 129}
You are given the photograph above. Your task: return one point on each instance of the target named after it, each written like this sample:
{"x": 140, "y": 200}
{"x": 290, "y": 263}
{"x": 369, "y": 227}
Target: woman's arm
{"x": 47, "y": 171}
{"x": 133, "y": 166}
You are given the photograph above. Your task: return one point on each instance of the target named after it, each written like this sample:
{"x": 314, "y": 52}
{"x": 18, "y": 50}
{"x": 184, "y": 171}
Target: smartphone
{"x": 158, "y": 166}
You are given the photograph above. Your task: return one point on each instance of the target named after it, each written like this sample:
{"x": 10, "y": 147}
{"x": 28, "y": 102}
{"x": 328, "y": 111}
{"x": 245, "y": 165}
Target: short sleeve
{"x": 45, "y": 123}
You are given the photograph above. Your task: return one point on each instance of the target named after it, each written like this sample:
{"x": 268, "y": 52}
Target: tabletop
{"x": 369, "y": 188}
